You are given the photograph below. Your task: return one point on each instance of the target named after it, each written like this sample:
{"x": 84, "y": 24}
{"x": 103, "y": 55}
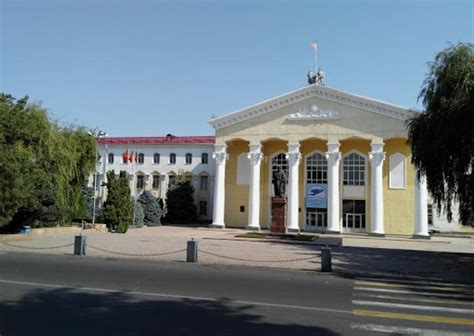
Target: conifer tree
{"x": 118, "y": 208}
{"x": 180, "y": 204}
{"x": 151, "y": 209}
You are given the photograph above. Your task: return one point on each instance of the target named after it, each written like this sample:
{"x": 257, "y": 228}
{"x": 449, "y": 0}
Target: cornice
{"x": 312, "y": 91}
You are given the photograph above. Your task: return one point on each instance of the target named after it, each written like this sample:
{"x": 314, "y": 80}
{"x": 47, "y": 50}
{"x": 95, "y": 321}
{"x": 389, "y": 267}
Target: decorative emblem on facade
{"x": 313, "y": 112}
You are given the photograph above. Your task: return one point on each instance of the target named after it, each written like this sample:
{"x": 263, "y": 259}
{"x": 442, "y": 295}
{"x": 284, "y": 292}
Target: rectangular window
{"x": 156, "y": 182}
{"x": 430, "y": 214}
{"x": 111, "y": 158}
{"x": 204, "y": 158}
{"x": 353, "y": 215}
{"x": 203, "y": 184}
{"x": 140, "y": 181}
{"x": 188, "y": 158}
{"x": 203, "y": 208}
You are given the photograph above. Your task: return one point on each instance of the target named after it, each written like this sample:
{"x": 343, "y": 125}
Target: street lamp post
{"x": 100, "y": 134}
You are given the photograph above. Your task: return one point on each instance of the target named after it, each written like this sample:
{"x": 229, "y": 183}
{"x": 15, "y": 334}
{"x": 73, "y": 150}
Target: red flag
{"x": 136, "y": 157}
{"x": 125, "y": 156}
{"x": 131, "y": 157}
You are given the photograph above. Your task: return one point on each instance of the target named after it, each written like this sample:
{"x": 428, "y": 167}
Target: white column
{"x": 220, "y": 156}
{"x": 377, "y": 156}
{"x": 255, "y": 158}
{"x": 421, "y": 208}
{"x": 293, "y": 156}
{"x": 333, "y": 157}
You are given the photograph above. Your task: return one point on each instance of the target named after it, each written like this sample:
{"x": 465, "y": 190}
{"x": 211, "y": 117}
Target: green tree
{"x": 180, "y": 203}
{"x": 43, "y": 166}
{"x": 442, "y": 138}
{"x": 139, "y": 215}
{"x": 151, "y": 209}
{"x": 118, "y": 207}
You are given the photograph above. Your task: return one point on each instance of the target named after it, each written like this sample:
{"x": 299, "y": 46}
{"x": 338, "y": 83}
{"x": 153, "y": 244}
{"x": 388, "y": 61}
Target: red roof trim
{"x": 170, "y": 140}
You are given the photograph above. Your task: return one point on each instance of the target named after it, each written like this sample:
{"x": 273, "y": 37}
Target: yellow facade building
{"x": 346, "y": 158}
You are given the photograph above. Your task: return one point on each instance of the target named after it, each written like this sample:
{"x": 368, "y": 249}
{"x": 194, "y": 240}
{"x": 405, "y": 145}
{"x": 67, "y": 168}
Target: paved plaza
{"x": 445, "y": 257}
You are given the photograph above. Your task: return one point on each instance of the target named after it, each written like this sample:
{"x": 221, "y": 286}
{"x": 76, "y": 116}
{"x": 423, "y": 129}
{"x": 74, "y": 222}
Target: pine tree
{"x": 139, "y": 215}
{"x": 180, "y": 204}
{"x": 118, "y": 208}
{"x": 151, "y": 209}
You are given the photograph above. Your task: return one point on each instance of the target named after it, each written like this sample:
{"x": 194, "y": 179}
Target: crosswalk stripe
{"x": 400, "y": 291}
{"x": 407, "y": 331}
{"x": 416, "y": 282}
{"x": 415, "y": 299}
{"x": 391, "y": 285}
{"x": 415, "y": 307}
{"x": 414, "y": 317}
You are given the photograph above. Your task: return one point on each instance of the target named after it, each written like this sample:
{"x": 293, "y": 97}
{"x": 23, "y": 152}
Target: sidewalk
{"x": 440, "y": 257}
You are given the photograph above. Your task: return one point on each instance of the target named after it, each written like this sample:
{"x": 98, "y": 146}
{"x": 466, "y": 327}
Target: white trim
{"x": 341, "y": 195}
{"x": 390, "y": 186}
{"x": 308, "y": 92}
{"x": 305, "y": 172}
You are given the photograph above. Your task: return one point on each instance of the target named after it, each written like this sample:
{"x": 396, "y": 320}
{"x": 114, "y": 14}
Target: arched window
{"x": 354, "y": 170}
{"x": 111, "y": 158}
{"x": 188, "y": 158}
{"x": 141, "y": 158}
{"x": 172, "y": 158}
{"x": 156, "y": 158}
{"x": 204, "y": 158}
{"x": 316, "y": 169}
{"x": 280, "y": 161}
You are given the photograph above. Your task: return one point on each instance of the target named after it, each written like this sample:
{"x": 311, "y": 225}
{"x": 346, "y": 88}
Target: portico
{"x": 332, "y": 146}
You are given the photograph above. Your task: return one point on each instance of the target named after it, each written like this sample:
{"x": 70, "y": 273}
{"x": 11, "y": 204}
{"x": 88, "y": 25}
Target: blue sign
{"x": 316, "y": 195}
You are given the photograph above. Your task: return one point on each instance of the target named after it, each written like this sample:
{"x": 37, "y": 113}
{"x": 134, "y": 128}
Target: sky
{"x": 149, "y": 67}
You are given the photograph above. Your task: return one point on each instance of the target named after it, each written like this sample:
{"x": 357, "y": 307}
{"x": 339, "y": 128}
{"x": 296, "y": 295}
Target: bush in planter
{"x": 151, "y": 209}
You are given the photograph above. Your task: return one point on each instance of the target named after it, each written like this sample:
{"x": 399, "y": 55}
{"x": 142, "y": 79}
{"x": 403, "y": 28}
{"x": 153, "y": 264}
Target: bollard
{"x": 192, "y": 252}
{"x": 80, "y": 245}
{"x": 326, "y": 262}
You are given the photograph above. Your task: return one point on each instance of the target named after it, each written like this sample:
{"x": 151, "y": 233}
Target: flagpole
{"x": 315, "y": 56}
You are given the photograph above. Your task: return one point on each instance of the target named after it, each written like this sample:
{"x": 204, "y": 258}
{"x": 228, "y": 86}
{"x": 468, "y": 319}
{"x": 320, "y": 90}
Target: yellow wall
{"x": 399, "y": 204}
{"x": 235, "y": 194}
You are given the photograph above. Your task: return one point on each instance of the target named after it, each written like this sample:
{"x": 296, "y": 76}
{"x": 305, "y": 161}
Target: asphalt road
{"x": 69, "y": 295}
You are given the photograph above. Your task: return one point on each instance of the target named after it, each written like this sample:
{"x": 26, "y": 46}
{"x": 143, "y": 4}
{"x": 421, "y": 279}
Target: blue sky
{"x": 143, "y": 68}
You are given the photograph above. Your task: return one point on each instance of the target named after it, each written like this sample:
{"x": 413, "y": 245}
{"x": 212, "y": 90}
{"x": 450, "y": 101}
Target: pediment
{"x": 311, "y": 110}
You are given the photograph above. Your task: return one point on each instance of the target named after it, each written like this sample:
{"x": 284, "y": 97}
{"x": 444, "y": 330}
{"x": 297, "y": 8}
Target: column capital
{"x": 293, "y": 158}
{"x": 376, "y": 158}
{"x": 220, "y": 157}
{"x": 255, "y": 158}
{"x": 333, "y": 157}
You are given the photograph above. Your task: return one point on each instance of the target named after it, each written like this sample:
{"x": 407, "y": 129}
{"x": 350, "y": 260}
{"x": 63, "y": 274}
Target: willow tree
{"x": 43, "y": 165}
{"x": 442, "y": 138}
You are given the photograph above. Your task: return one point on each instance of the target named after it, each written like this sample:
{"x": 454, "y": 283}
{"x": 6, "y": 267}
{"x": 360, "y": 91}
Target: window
{"x": 156, "y": 182}
{"x": 172, "y": 158}
{"x": 353, "y": 215}
{"x": 156, "y": 158}
{"x": 140, "y": 181}
{"x": 111, "y": 158}
{"x": 203, "y": 184}
{"x": 316, "y": 169}
{"x": 202, "y": 208}
{"x": 141, "y": 158}
{"x": 397, "y": 171}
{"x": 354, "y": 170}
{"x": 171, "y": 180}
{"x": 188, "y": 158}
{"x": 430, "y": 214}
{"x": 204, "y": 158}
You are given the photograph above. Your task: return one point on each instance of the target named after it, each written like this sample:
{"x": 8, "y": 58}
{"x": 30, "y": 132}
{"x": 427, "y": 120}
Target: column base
{"x": 252, "y": 228}
{"x": 293, "y": 230}
{"x": 418, "y": 236}
{"x": 376, "y": 234}
{"x": 217, "y": 226}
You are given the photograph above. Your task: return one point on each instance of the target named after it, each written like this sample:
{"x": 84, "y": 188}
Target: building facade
{"x": 346, "y": 158}
{"x": 153, "y": 163}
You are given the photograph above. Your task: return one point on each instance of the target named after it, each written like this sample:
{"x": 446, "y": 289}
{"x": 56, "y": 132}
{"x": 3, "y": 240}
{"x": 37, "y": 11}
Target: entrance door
{"x": 353, "y": 216}
{"x": 316, "y": 219}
